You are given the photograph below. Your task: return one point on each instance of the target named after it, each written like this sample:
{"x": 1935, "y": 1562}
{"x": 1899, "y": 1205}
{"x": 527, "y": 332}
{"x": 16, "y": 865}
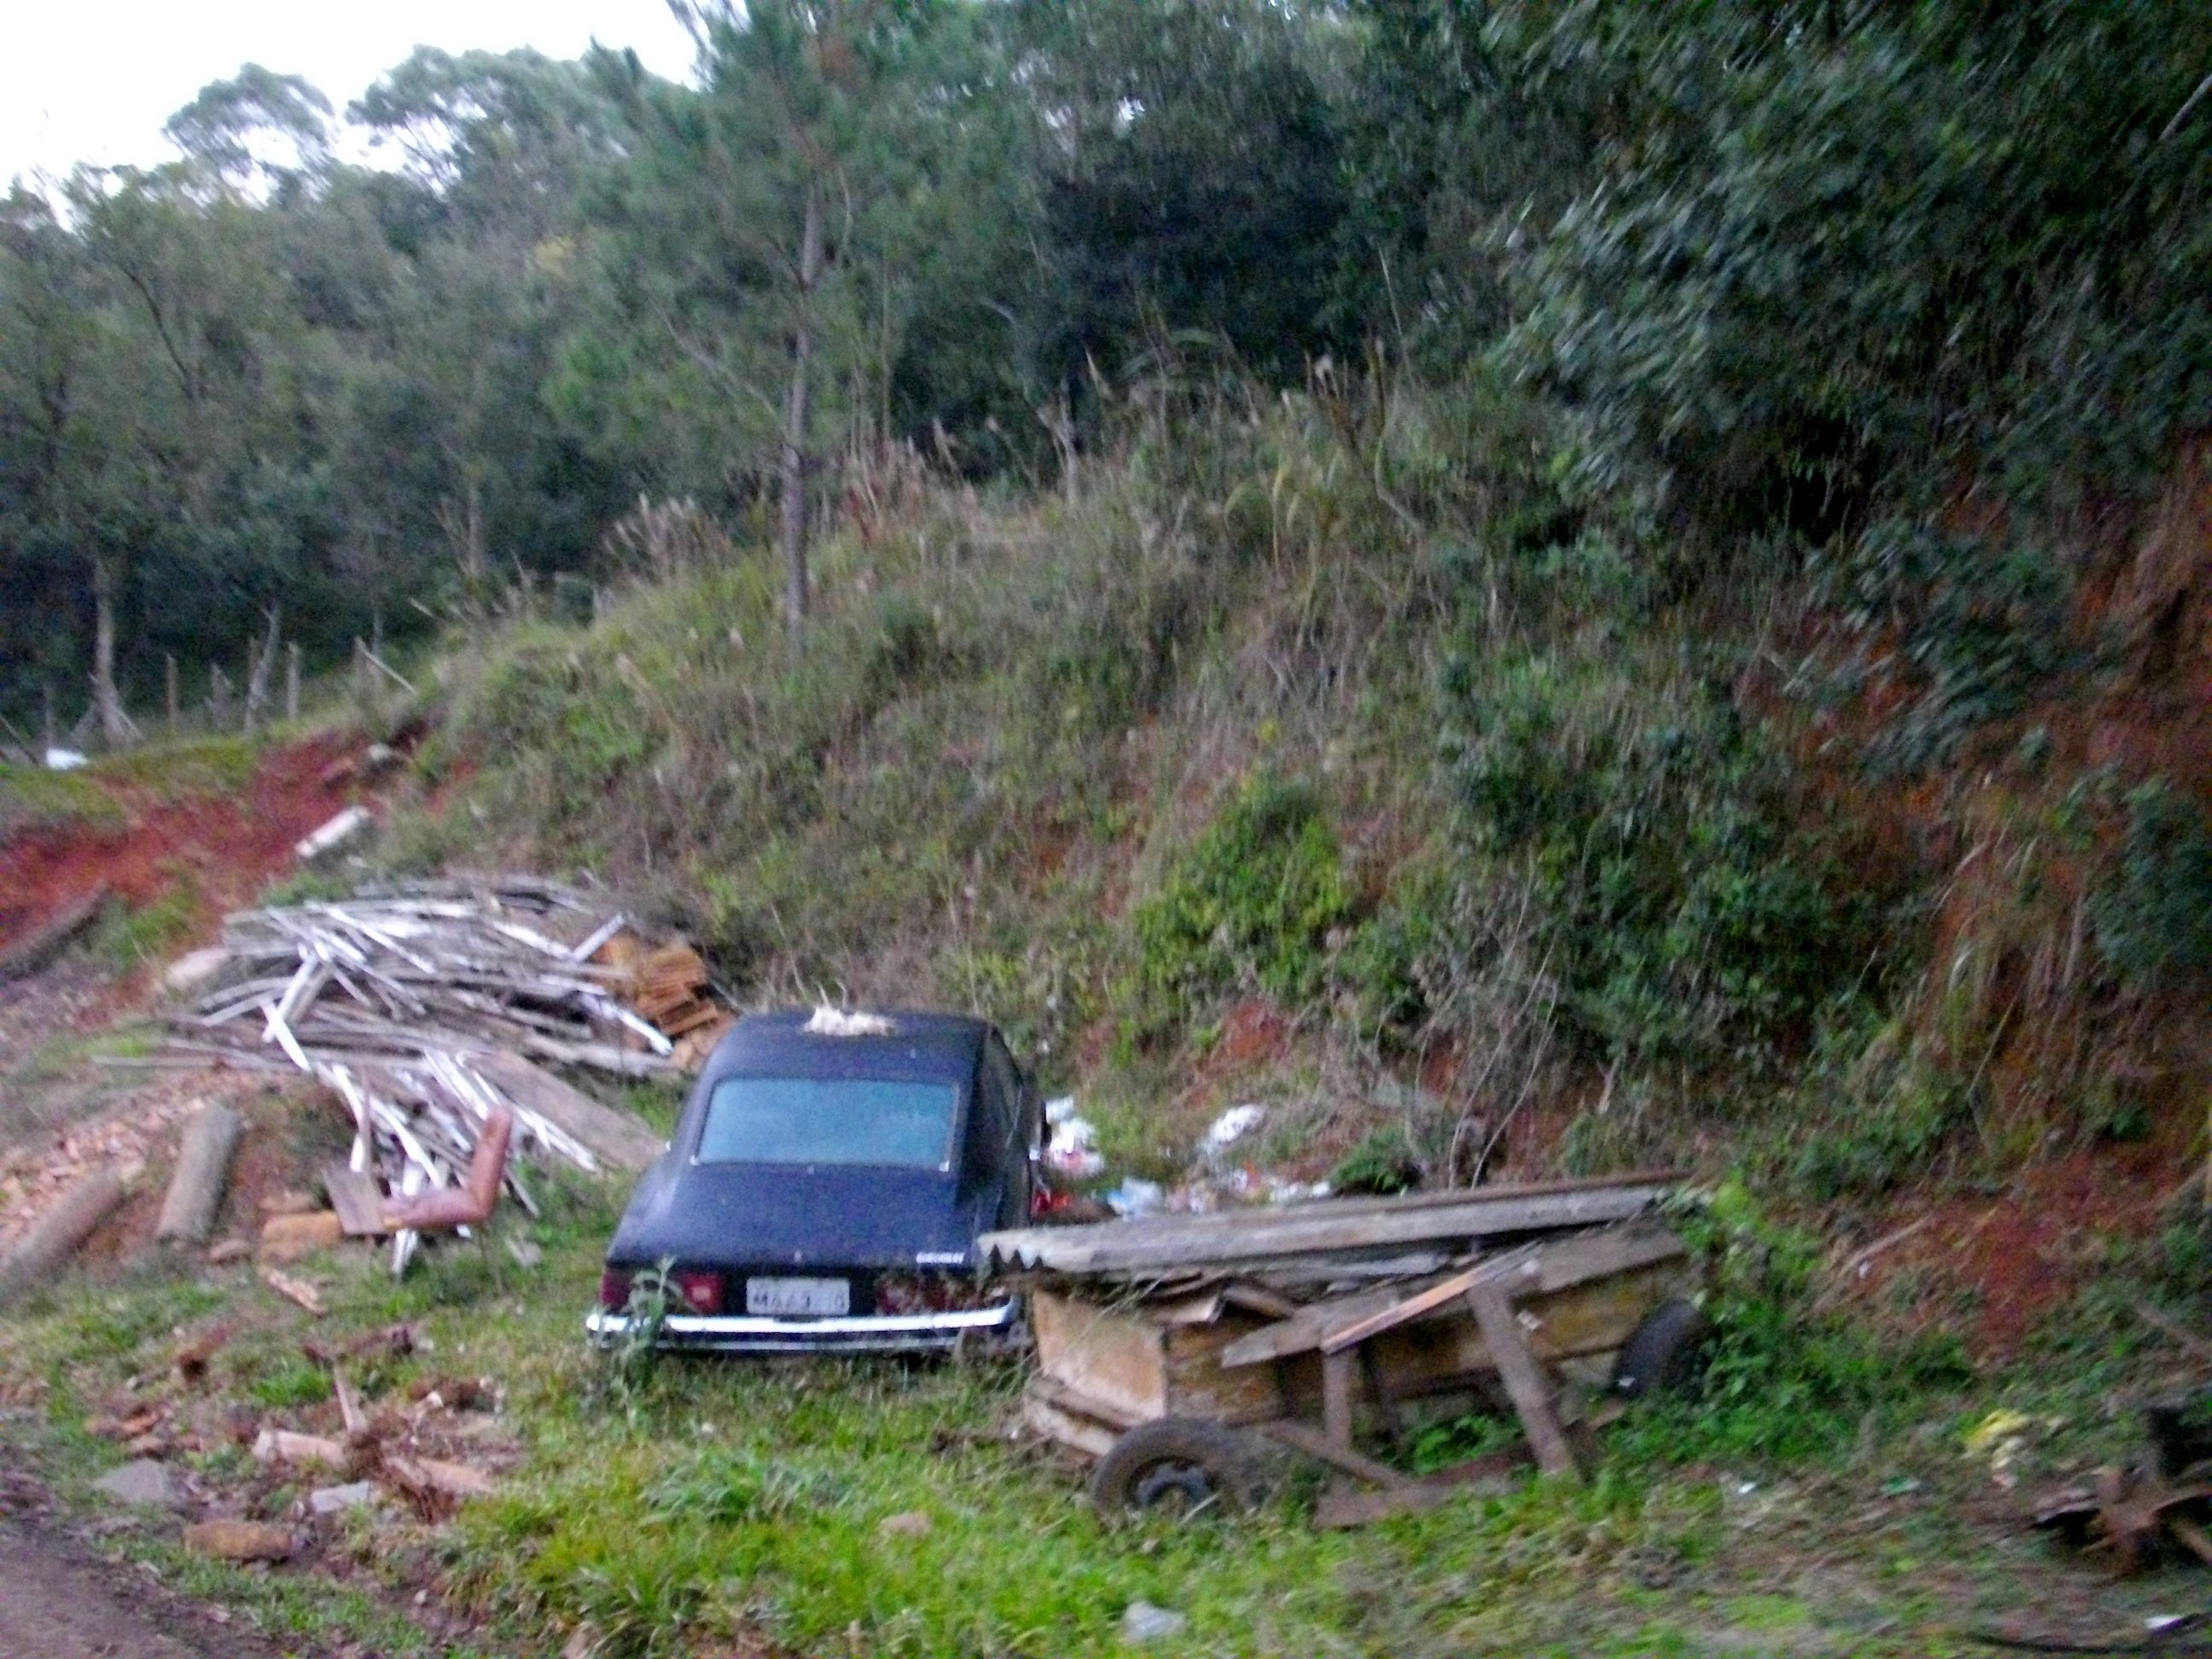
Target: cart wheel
{"x": 1665, "y": 1351}
{"x": 1179, "y": 1466}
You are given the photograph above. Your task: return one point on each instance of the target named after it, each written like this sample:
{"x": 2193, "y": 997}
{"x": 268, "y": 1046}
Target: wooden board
{"x": 1127, "y": 1359}
{"x": 618, "y": 1140}
{"x": 355, "y": 1196}
{"x": 1326, "y": 1226}
{"x": 1524, "y": 1380}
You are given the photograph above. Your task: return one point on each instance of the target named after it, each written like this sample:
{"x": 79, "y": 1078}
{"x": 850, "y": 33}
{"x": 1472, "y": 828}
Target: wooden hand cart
{"x": 1182, "y": 1355}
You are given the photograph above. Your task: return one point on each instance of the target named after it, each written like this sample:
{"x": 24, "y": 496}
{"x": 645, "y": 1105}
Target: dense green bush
{"x": 2152, "y": 910}
{"x": 1252, "y": 902}
{"x": 1680, "y": 904}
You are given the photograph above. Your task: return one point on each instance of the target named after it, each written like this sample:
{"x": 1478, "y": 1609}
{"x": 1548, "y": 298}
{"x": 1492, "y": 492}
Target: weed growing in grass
{"x": 293, "y": 1381}
{"x": 127, "y": 938}
{"x": 34, "y": 797}
{"x": 1784, "y": 1380}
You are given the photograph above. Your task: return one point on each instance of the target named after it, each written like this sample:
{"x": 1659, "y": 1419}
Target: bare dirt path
{"x": 58, "y": 1602}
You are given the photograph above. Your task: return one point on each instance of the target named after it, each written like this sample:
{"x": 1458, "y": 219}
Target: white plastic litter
{"x": 1071, "y": 1149}
{"x": 1135, "y": 1197}
{"x": 1232, "y": 1126}
{"x": 1143, "y": 1623}
{"x": 838, "y": 1022}
{"x": 64, "y": 760}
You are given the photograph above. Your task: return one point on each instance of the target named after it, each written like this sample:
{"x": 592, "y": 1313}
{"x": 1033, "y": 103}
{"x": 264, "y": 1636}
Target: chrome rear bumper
{"x": 853, "y": 1334}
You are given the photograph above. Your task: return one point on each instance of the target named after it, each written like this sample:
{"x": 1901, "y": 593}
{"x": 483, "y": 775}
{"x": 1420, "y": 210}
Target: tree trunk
{"x": 107, "y": 704}
{"x": 794, "y": 426}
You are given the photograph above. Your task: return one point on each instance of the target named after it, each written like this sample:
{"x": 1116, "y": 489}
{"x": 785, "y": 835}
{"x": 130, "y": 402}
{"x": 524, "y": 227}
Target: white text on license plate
{"x": 828, "y": 1297}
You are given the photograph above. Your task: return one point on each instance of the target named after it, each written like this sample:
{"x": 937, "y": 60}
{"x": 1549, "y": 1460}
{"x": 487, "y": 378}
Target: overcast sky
{"x": 94, "y": 83}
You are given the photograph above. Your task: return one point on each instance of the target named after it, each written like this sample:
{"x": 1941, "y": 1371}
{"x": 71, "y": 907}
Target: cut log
{"x": 59, "y": 1233}
{"x": 33, "y": 951}
{"x": 188, "y": 1210}
{"x": 288, "y": 1237}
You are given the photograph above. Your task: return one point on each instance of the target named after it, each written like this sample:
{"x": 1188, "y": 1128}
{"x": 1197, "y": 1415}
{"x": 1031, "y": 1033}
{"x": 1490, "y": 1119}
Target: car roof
{"x": 921, "y": 1047}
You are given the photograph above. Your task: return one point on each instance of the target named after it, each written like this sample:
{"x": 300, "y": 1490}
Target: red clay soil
{"x": 227, "y": 847}
{"x": 2016, "y": 1256}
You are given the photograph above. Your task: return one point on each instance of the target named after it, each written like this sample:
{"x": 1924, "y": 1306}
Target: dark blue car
{"x": 825, "y": 1186}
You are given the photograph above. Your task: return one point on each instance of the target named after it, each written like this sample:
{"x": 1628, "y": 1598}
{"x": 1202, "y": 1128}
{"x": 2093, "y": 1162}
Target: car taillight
{"x": 921, "y": 1293}
{"x": 614, "y": 1289}
{"x": 701, "y": 1292}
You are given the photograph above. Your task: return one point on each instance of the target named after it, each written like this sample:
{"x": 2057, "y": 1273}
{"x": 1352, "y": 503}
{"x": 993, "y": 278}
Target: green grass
{"x": 33, "y": 797}
{"x": 708, "y": 1501}
{"x": 191, "y": 766}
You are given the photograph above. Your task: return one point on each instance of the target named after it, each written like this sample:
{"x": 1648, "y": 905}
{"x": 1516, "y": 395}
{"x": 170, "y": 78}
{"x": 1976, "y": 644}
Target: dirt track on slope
{"x": 56, "y": 1602}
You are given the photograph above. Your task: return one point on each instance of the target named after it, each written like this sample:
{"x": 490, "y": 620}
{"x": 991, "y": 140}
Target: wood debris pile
{"x": 670, "y": 988}
{"x": 410, "y": 1005}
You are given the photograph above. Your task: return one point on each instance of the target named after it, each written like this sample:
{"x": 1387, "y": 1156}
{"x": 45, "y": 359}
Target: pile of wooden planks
{"x": 670, "y": 988}
{"x": 417, "y": 1007}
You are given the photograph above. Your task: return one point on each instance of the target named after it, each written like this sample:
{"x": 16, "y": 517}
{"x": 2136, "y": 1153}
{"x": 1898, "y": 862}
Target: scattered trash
{"x": 1232, "y": 1126}
{"x": 348, "y": 825}
{"x": 333, "y": 1500}
{"x": 294, "y": 1290}
{"x": 2001, "y": 1436}
{"x": 841, "y": 1023}
{"x": 1134, "y": 1197}
{"x": 1145, "y": 1623}
{"x": 65, "y": 760}
{"x": 1070, "y": 1143}
{"x": 142, "y": 1483}
{"x": 2133, "y": 1514}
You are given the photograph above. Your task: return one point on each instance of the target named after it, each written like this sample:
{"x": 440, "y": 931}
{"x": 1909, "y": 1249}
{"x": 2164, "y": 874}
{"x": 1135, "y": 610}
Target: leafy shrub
{"x": 2152, "y": 910}
{"x": 1888, "y": 1121}
{"x": 1784, "y": 1381}
{"x": 1983, "y": 626}
{"x": 1684, "y": 912}
{"x": 1382, "y": 1163}
{"x": 1252, "y": 901}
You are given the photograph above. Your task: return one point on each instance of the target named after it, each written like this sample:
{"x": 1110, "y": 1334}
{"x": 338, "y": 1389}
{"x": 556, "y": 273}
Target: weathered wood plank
{"x": 1305, "y": 1437}
{"x": 1326, "y": 1225}
{"x": 1524, "y": 1383}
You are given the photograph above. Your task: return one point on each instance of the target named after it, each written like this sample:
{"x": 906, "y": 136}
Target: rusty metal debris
{"x": 2159, "y": 1508}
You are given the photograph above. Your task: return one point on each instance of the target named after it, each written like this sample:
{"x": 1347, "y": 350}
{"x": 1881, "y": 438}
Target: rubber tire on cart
{"x": 1180, "y": 1464}
{"x": 1665, "y": 1351}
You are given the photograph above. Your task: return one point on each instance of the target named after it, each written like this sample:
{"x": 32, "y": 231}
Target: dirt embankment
{"x": 221, "y": 849}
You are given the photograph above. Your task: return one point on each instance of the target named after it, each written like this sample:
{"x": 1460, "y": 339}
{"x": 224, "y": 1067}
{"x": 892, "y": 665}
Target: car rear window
{"x": 794, "y": 1119}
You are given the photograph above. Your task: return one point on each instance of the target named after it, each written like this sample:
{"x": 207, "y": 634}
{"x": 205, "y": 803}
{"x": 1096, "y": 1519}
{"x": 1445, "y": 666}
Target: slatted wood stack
{"x": 422, "y": 1008}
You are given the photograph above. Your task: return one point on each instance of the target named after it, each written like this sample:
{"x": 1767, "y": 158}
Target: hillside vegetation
{"x": 1539, "y": 587}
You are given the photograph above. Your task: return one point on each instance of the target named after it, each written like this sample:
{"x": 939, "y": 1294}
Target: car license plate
{"x": 829, "y": 1296}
